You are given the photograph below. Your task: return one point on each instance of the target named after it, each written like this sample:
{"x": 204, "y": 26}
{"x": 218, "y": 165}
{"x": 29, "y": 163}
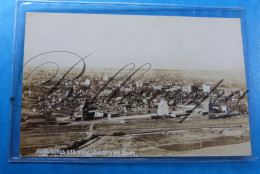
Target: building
{"x": 186, "y": 88}
{"x": 205, "y": 88}
{"x": 157, "y": 87}
{"x": 163, "y": 108}
{"x": 105, "y": 77}
{"x": 224, "y": 108}
{"x": 128, "y": 89}
{"x": 175, "y": 88}
{"x": 139, "y": 84}
{"x": 194, "y": 89}
{"x": 207, "y": 106}
{"x": 118, "y": 85}
{"x": 98, "y": 114}
{"x": 88, "y": 112}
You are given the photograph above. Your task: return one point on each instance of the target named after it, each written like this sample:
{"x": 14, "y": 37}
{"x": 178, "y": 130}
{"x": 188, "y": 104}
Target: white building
{"x": 98, "y": 114}
{"x": 241, "y": 92}
{"x": 128, "y": 89}
{"x": 118, "y": 85}
{"x": 186, "y": 88}
{"x": 87, "y": 82}
{"x": 175, "y": 88}
{"x": 159, "y": 87}
{"x": 163, "y": 108}
{"x": 105, "y": 77}
{"x": 205, "y": 105}
{"x": 107, "y": 91}
{"x": 224, "y": 109}
{"x": 206, "y": 88}
{"x": 139, "y": 84}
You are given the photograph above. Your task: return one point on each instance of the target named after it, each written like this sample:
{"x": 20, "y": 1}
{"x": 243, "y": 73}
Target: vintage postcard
{"x": 97, "y": 85}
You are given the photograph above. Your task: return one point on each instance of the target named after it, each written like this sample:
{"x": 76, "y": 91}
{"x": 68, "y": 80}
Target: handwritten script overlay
{"x": 132, "y": 74}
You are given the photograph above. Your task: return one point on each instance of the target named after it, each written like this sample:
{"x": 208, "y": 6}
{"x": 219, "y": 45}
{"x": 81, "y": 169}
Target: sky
{"x": 167, "y": 42}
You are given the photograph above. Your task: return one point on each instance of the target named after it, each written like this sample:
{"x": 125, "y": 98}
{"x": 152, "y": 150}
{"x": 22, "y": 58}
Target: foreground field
{"x": 143, "y": 137}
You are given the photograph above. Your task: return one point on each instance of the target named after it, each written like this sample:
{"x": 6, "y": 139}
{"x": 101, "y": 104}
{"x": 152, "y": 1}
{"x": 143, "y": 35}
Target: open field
{"x": 144, "y": 136}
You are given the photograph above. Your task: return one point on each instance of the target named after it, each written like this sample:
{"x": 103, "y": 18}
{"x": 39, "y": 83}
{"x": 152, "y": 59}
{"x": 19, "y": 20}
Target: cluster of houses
{"x": 143, "y": 96}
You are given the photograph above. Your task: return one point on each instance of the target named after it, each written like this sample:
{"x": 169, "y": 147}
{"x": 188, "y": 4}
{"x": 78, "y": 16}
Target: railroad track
{"x": 134, "y": 131}
{"x": 178, "y": 127}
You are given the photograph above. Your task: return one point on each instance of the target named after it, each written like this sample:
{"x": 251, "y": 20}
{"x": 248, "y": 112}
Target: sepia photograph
{"x": 100, "y": 85}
